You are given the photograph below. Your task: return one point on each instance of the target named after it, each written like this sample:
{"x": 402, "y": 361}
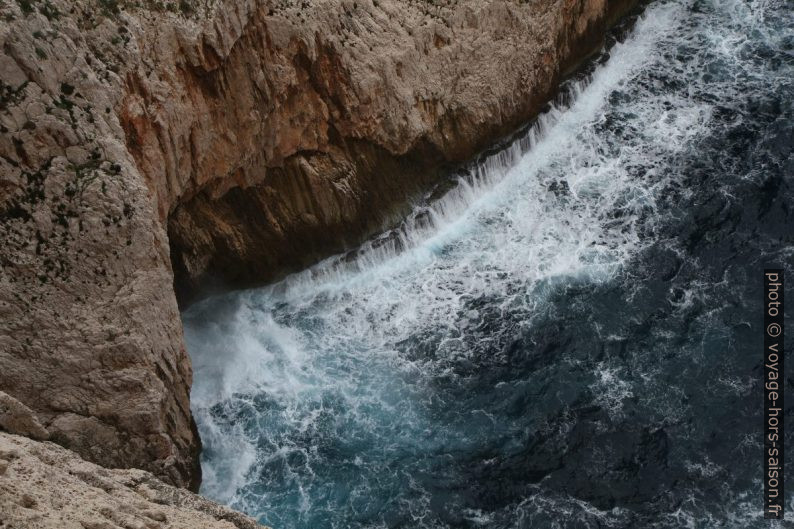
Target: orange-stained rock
{"x": 234, "y": 142}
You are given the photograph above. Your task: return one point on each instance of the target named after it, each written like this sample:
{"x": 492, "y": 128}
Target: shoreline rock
{"x": 148, "y": 147}
{"x": 354, "y": 110}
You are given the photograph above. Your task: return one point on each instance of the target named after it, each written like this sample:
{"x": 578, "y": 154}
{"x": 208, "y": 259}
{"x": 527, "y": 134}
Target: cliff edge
{"x": 147, "y": 144}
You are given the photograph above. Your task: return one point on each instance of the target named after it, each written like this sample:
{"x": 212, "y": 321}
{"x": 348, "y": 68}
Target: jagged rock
{"x": 45, "y": 486}
{"x": 253, "y": 136}
{"x": 90, "y": 337}
{"x": 306, "y": 128}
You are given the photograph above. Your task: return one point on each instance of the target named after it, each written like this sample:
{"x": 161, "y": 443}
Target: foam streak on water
{"x": 443, "y": 374}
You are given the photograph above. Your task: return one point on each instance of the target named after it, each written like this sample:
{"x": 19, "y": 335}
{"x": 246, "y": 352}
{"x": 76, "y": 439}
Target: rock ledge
{"x": 43, "y": 485}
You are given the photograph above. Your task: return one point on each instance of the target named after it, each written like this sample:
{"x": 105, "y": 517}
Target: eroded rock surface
{"x": 17, "y": 418}
{"x": 253, "y": 137}
{"x": 90, "y": 337}
{"x": 45, "y": 486}
{"x": 291, "y": 130}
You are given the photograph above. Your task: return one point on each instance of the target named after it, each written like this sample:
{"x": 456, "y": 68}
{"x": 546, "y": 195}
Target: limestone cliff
{"x": 225, "y": 139}
{"x": 287, "y": 131}
{"x": 90, "y": 336}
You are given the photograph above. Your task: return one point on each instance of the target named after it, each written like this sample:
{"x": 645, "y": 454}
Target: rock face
{"x": 45, "y": 486}
{"x": 147, "y": 143}
{"x": 17, "y": 418}
{"x": 90, "y": 337}
{"x": 288, "y": 132}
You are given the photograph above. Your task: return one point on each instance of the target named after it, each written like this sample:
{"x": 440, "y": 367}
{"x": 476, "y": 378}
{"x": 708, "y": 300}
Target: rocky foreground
{"x": 45, "y": 486}
{"x": 149, "y": 148}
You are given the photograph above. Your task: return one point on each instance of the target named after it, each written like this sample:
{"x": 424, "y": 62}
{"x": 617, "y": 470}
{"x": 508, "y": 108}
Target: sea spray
{"x": 529, "y": 349}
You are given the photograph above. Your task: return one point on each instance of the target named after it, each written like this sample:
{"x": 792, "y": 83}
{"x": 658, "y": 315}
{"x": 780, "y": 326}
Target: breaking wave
{"x": 561, "y": 335}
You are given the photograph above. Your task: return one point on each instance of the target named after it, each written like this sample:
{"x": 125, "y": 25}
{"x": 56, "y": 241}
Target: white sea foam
{"x": 345, "y": 353}
{"x": 531, "y": 213}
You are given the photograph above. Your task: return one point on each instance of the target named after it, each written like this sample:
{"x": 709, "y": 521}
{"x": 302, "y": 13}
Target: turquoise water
{"x": 567, "y": 338}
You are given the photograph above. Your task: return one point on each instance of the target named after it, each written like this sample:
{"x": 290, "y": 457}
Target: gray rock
{"x": 43, "y": 485}
{"x": 17, "y": 418}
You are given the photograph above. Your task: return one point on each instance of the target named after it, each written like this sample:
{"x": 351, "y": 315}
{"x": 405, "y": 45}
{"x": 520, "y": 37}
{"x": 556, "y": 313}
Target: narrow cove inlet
{"x": 396, "y": 264}
{"x": 566, "y": 337}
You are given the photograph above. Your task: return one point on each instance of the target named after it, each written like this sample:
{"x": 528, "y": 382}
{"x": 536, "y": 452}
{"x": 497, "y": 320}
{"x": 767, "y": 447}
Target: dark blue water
{"x": 570, "y": 337}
